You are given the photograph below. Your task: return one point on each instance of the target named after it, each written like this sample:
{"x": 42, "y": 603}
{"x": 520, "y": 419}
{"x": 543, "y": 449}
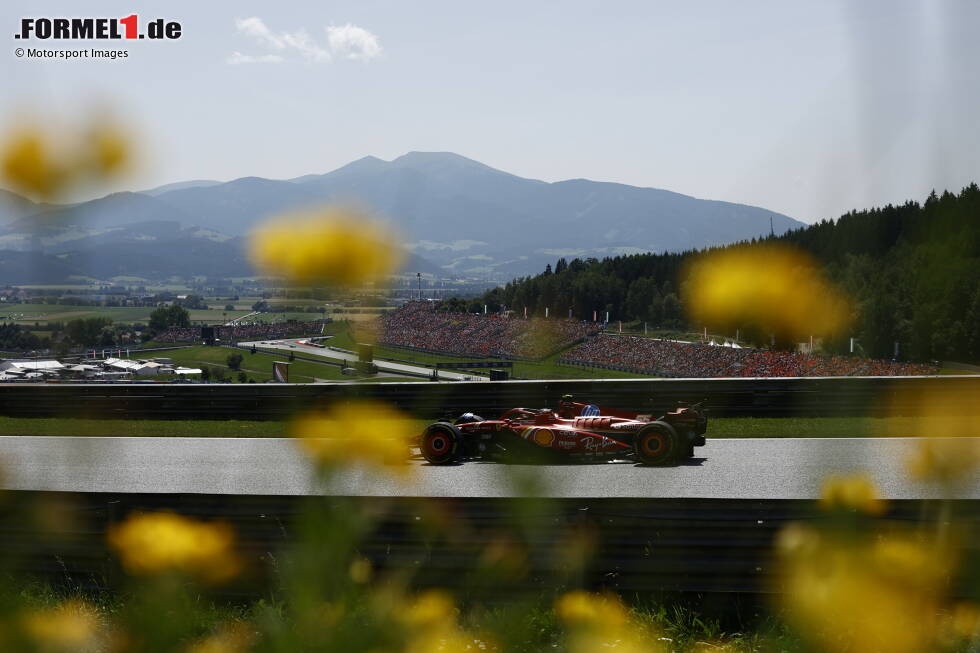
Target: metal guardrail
{"x": 639, "y": 546}
{"x": 765, "y": 397}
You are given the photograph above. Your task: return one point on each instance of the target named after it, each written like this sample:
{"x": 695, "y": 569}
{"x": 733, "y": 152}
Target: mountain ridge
{"x": 474, "y": 219}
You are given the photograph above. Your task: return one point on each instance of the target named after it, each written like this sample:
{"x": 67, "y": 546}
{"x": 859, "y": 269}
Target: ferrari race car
{"x": 579, "y": 430}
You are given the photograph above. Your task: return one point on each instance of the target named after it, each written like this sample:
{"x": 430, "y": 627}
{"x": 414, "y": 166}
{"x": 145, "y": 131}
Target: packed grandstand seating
{"x": 237, "y": 332}
{"x": 669, "y": 358}
{"x": 417, "y": 325}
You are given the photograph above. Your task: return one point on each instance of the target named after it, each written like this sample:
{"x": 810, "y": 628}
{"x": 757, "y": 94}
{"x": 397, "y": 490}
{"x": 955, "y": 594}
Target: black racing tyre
{"x": 440, "y": 444}
{"x": 658, "y": 443}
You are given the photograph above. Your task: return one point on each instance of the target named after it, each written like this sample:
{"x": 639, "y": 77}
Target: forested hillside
{"x": 912, "y": 271}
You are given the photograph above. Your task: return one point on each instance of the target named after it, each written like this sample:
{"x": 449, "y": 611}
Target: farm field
{"x": 43, "y": 313}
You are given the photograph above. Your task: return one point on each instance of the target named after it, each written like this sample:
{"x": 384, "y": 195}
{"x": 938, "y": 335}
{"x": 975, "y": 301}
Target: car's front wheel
{"x": 440, "y": 444}
{"x": 658, "y": 443}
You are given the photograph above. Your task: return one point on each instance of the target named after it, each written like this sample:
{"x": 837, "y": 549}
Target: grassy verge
{"x": 48, "y": 426}
{"x": 686, "y": 627}
{"x": 732, "y": 427}
{"x": 258, "y": 366}
{"x": 821, "y": 427}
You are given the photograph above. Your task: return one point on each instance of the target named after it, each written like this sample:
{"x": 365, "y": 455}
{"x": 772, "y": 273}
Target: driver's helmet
{"x": 468, "y": 418}
{"x": 566, "y": 407}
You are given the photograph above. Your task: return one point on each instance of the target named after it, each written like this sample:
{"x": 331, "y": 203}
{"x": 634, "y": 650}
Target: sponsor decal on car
{"x": 544, "y": 437}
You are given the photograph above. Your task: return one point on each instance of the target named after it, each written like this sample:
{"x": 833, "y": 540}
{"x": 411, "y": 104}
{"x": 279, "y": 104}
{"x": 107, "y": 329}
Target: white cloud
{"x": 299, "y": 41}
{"x": 353, "y": 42}
{"x": 239, "y": 58}
{"x": 255, "y": 28}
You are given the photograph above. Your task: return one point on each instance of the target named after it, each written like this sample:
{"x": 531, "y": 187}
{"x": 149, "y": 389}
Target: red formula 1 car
{"x": 574, "y": 430}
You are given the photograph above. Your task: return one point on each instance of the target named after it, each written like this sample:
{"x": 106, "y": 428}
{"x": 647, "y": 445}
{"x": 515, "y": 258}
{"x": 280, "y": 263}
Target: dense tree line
{"x": 169, "y": 316}
{"x": 913, "y": 272}
{"x": 16, "y": 338}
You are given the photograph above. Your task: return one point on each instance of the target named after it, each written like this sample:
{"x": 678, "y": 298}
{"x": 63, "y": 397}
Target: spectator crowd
{"x": 417, "y": 325}
{"x": 238, "y": 332}
{"x": 670, "y": 358}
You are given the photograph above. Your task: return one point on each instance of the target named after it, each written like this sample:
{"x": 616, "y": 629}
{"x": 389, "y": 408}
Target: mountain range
{"x": 458, "y": 217}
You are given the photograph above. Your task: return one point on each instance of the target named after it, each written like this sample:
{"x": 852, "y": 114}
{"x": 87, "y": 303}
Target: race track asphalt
{"x": 332, "y": 354}
{"x": 733, "y": 469}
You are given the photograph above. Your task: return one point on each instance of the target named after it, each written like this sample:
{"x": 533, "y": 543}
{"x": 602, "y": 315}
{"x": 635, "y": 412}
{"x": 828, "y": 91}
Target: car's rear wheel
{"x": 440, "y": 444}
{"x": 658, "y": 444}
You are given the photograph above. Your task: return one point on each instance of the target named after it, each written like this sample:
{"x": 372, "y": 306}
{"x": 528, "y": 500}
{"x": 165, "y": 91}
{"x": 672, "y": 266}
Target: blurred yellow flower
{"x": 855, "y": 595}
{"x": 775, "y": 287}
{"x": 430, "y": 620}
{"x": 46, "y": 163}
{"x": 360, "y": 570}
{"x": 431, "y": 609}
{"x": 505, "y": 558}
{"x": 72, "y": 626}
{"x": 109, "y": 150}
{"x": 851, "y": 493}
{"x": 231, "y": 638}
{"x": 580, "y": 608}
{"x": 29, "y": 165}
{"x": 154, "y": 543}
{"x": 336, "y": 245}
{"x": 964, "y": 620}
{"x": 945, "y": 460}
{"x": 949, "y": 454}
{"x": 363, "y": 431}
{"x": 601, "y": 621}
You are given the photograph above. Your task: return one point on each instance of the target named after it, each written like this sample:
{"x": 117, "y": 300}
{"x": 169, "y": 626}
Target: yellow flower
{"x": 964, "y": 621}
{"x": 359, "y": 431}
{"x": 505, "y": 558}
{"x": 233, "y": 638}
{"x": 949, "y": 454}
{"x": 342, "y": 246}
{"x": 946, "y": 460}
{"x": 853, "y": 493}
{"x": 47, "y": 163}
{"x": 155, "y": 543}
{"x": 580, "y": 608}
{"x": 431, "y": 609}
{"x": 71, "y": 626}
{"x": 775, "y": 287}
{"x": 109, "y": 150}
{"x": 601, "y": 621}
{"x": 870, "y": 596}
{"x": 360, "y": 570}
{"x": 430, "y": 621}
{"x": 30, "y": 166}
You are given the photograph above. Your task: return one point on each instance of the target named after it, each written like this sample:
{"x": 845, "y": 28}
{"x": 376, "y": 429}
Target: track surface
{"x": 295, "y": 345}
{"x": 733, "y": 469}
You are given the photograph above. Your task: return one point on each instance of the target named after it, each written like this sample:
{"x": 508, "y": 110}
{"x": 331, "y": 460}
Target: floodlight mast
{"x": 419, "y": 275}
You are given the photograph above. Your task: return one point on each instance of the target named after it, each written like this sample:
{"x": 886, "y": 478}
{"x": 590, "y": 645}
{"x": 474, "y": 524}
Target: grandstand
{"x": 669, "y": 358}
{"x": 418, "y": 326}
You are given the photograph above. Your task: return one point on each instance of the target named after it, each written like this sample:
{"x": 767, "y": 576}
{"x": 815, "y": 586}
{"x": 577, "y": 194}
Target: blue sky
{"x": 809, "y": 109}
